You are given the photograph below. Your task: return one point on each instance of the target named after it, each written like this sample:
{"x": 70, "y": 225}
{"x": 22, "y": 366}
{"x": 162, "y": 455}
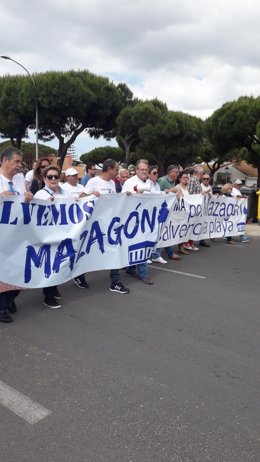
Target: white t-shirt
{"x": 18, "y": 183}
{"x": 47, "y": 193}
{"x": 235, "y": 192}
{"x": 206, "y": 189}
{"x": 182, "y": 189}
{"x": 155, "y": 187}
{"x": 134, "y": 181}
{"x": 73, "y": 191}
{"x": 29, "y": 176}
{"x": 99, "y": 185}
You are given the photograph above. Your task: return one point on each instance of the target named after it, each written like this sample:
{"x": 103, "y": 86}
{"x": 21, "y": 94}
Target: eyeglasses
{"x": 205, "y": 178}
{"x": 52, "y": 177}
{"x": 44, "y": 166}
{"x": 186, "y": 177}
{"x": 155, "y": 173}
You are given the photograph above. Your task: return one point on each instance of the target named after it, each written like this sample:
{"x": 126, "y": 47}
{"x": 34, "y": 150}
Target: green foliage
{"x": 161, "y": 136}
{"x": 234, "y": 127}
{"x": 135, "y": 120}
{"x": 17, "y": 108}
{"x": 69, "y": 103}
{"x": 99, "y": 155}
{"x": 174, "y": 138}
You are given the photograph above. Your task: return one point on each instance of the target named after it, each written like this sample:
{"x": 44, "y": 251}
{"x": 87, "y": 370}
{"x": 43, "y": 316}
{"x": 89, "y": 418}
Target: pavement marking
{"x": 21, "y": 405}
{"x": 178, "y": 272}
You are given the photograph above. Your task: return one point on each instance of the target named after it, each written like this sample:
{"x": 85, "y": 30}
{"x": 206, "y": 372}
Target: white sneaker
{"x": 187, "y": 247}
{"x": 159, "y": 260}
{"x": 149, "y": 261}
{"x": 193, "y": 247}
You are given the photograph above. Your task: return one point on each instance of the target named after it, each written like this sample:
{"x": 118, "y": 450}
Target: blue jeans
{"x": 115, "y": 276}
{"x": 156, "y": 253}
{"x": 141, "y": 269}
{"x": 169, "y": 251}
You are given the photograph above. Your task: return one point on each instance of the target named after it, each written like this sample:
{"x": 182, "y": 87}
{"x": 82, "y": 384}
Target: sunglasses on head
{"x": 52, "y": 177}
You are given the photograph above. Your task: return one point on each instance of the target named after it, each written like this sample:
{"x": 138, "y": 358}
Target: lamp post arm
{"x": 19, "y": 64}
{"x": 36, "y": 105}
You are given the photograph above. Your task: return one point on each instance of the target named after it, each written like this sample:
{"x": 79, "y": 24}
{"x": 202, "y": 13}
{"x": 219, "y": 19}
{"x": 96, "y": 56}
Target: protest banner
{"x": 46, "y": 243}
{"x": 198, "y": 216}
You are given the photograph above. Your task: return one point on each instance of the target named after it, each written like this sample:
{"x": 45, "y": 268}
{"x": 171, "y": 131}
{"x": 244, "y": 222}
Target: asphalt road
{"x": 169, "y": 372}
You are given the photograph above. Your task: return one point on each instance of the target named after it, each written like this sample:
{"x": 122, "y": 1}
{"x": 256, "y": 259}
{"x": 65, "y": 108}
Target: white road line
{"x": 178, "y": 272}
{"x": 21, "y": 405}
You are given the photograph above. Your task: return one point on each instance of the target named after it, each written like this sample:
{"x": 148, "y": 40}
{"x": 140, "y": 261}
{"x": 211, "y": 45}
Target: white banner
{"x": 48, "y": 243}
{"x": 199, "y": 217}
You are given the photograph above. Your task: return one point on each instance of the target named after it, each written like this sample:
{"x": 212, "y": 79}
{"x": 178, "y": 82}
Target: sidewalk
{"x": 253, "y": 230}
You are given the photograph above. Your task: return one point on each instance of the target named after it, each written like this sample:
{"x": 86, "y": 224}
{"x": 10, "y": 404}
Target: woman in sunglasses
{"x": 51, "y": 189}
{"x": 155, "y": 188}
{"x": 37, "y": 181}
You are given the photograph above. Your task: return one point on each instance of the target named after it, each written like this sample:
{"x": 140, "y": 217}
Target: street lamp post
{"x": 36, "y": 106}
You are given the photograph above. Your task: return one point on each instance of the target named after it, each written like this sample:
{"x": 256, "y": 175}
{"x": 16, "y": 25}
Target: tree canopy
{"x": 17, "y": 108}
{"x": 99, "y": 155}
{"x": 235, "y": 127}
{"x": 148, "y": 129}
{"x": 72, "y": 102}
{"x": 69, "y": 103}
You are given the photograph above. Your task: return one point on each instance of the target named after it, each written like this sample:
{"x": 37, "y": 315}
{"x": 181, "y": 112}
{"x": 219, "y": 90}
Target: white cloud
{"x": 194, "y": 56}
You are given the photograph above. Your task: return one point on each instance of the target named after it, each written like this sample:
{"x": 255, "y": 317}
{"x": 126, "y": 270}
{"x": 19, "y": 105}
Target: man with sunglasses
{"x": 205, "y": 186}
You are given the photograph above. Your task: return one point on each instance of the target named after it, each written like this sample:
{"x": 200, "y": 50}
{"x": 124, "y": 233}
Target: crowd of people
{"x": 45, "y": 182}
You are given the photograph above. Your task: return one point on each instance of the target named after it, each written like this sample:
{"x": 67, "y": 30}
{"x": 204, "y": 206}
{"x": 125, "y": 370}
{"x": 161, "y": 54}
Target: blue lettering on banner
{"x": 139, "y": 253}
{"x": 136, "y": 221}
{"x": 65, "y": 251}
{"x": 47, "y": 215}
{"x": 145, "y": 224}
{"x": 6, "y": 214}
{"x": 195, "y": 211}
{"x": 116, "y": 230}
{"x": 179, "y": 205}
{"x": 43, "y": 256}
{"x": 241, "y": 226}
{"x": 96, "y": 235}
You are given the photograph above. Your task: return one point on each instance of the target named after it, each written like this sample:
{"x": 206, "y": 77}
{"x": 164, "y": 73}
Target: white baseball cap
{"x": 71, "y": 171}
{"x": 238, "y": 181}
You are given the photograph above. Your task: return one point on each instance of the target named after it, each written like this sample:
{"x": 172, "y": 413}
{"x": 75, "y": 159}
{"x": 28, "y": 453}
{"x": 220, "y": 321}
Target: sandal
{"x": 174, "y": 256}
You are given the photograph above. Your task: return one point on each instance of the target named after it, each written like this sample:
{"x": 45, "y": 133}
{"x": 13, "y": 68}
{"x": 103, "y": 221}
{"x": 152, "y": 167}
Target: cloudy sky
{"x": 192, "y": 54}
